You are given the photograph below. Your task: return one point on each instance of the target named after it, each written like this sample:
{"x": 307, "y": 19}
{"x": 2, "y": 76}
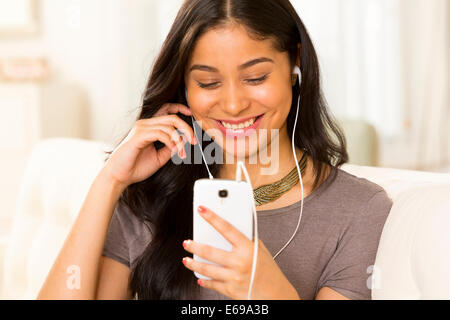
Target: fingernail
{"x": 201, "y": 209}
{"x": 180, "y": 152}
{"x": 184, "y": 260}
{"x": 186, "y": 243}
{"x": 199, "y": 281}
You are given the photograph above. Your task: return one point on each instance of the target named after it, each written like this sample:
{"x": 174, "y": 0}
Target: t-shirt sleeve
{"x": 116, "y": 246}
{"x": 348, "y": 271}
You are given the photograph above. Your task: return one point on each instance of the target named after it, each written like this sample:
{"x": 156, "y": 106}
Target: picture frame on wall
{"x": 18, "y": 17}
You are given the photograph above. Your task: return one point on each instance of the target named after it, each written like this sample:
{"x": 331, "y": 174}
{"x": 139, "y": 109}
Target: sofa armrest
{"x": 412, "y": 260}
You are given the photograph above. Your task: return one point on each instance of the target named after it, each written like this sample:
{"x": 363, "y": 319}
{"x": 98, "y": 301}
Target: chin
{"x": 241, "y": 154}
{"x": 235, "y": 149}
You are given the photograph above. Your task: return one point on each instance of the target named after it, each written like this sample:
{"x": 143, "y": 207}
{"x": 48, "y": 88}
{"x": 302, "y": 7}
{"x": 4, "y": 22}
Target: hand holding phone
{"x": 229, "y": 199}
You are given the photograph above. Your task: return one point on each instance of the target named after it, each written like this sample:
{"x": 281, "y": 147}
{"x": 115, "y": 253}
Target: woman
{"x": 235, "y": 60}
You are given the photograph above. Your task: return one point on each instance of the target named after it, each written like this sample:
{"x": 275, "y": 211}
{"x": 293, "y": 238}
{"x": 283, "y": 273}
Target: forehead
{"x": 230, "y": 45}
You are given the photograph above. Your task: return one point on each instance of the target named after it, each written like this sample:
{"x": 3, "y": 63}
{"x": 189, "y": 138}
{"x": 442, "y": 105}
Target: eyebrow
{"x": 241, "y": 67}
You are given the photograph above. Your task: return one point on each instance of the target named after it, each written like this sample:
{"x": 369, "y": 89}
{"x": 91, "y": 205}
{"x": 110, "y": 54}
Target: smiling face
{"x": 239, "y": 89}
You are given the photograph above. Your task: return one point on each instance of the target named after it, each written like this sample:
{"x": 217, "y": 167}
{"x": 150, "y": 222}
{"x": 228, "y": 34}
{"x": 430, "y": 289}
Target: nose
{"x": 235, "y": 101}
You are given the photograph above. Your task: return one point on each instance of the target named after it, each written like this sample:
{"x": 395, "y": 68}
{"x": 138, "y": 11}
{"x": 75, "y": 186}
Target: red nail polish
{"x": 184, "y": 261}
{"x": 200, "y": 282}
{"x": 201, "y": 209}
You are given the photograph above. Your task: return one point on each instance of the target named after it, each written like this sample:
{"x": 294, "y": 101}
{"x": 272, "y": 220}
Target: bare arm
{"x": 326, "y": 293}
{"x": 83, "y": 247}
{"x": 117, "y": 289}
{"x": 134, "y": 160}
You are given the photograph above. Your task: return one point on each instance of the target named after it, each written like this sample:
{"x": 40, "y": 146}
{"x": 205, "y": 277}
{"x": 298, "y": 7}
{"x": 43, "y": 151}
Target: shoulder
{"x": 357, "y": 209}
{"x": 358, "y": 189}
{"x": 356, "y": 198}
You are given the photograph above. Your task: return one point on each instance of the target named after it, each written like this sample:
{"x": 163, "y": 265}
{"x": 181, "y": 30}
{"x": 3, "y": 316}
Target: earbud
{"x": 297, "y": 71}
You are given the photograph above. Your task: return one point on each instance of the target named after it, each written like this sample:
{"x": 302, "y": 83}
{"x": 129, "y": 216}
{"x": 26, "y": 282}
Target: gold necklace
{"x": 272, "y": 191}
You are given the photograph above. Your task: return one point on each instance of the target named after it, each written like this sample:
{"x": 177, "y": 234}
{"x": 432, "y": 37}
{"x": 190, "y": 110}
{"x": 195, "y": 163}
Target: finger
{"x": 226, "y": 229}
{"x": 175, "y": 108}
{"x": 208, "y": 252}
{"x": 177, "y": 122}
{"x": 145, "y": 138}
{"x": 207, "y": 269}
{"x": 174, "y": 136}
{"x": 180, "y": 141}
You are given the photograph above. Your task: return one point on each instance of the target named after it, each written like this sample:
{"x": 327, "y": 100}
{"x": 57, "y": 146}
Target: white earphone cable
{"x": 240, "y": 165}
{"x": 301, "y": 181}
{"x": 201, "y": 149}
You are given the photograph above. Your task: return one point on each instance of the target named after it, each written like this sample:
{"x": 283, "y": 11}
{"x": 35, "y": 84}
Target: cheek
{"x": 200, "y": 104}
{"x": 275, "y": 99}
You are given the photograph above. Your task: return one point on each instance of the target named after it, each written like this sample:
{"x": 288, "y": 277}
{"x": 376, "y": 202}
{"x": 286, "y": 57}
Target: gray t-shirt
{"x": 335, "y": 244}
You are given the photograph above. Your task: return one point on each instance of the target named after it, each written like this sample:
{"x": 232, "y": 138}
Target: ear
{"x": 294, "y": 77}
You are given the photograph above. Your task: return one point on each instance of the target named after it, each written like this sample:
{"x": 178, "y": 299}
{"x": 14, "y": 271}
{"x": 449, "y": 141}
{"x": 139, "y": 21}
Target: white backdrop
{"x": 386, "y": 61}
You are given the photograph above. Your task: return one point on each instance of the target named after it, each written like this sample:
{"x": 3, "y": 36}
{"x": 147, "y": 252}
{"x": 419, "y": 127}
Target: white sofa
{"x": 412, "y": 261}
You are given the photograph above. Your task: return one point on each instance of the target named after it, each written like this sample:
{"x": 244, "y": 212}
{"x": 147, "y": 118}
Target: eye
{"x": 258, "y": 80}
{"x": 210, "y": 85}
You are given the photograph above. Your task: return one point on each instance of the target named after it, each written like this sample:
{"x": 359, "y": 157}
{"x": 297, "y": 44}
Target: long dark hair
{"x": 165, "y": 198}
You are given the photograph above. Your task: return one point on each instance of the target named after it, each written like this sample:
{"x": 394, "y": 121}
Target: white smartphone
{"x": 229, "y": 199}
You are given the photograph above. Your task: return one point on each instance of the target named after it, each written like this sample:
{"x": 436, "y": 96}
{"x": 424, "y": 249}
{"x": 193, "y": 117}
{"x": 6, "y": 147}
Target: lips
{"x": 239, "y": 121}
{"x": 236, "y": 128}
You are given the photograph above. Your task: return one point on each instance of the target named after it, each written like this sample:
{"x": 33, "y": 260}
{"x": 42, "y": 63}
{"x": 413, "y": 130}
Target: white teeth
{"x": 240, "y": 125}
